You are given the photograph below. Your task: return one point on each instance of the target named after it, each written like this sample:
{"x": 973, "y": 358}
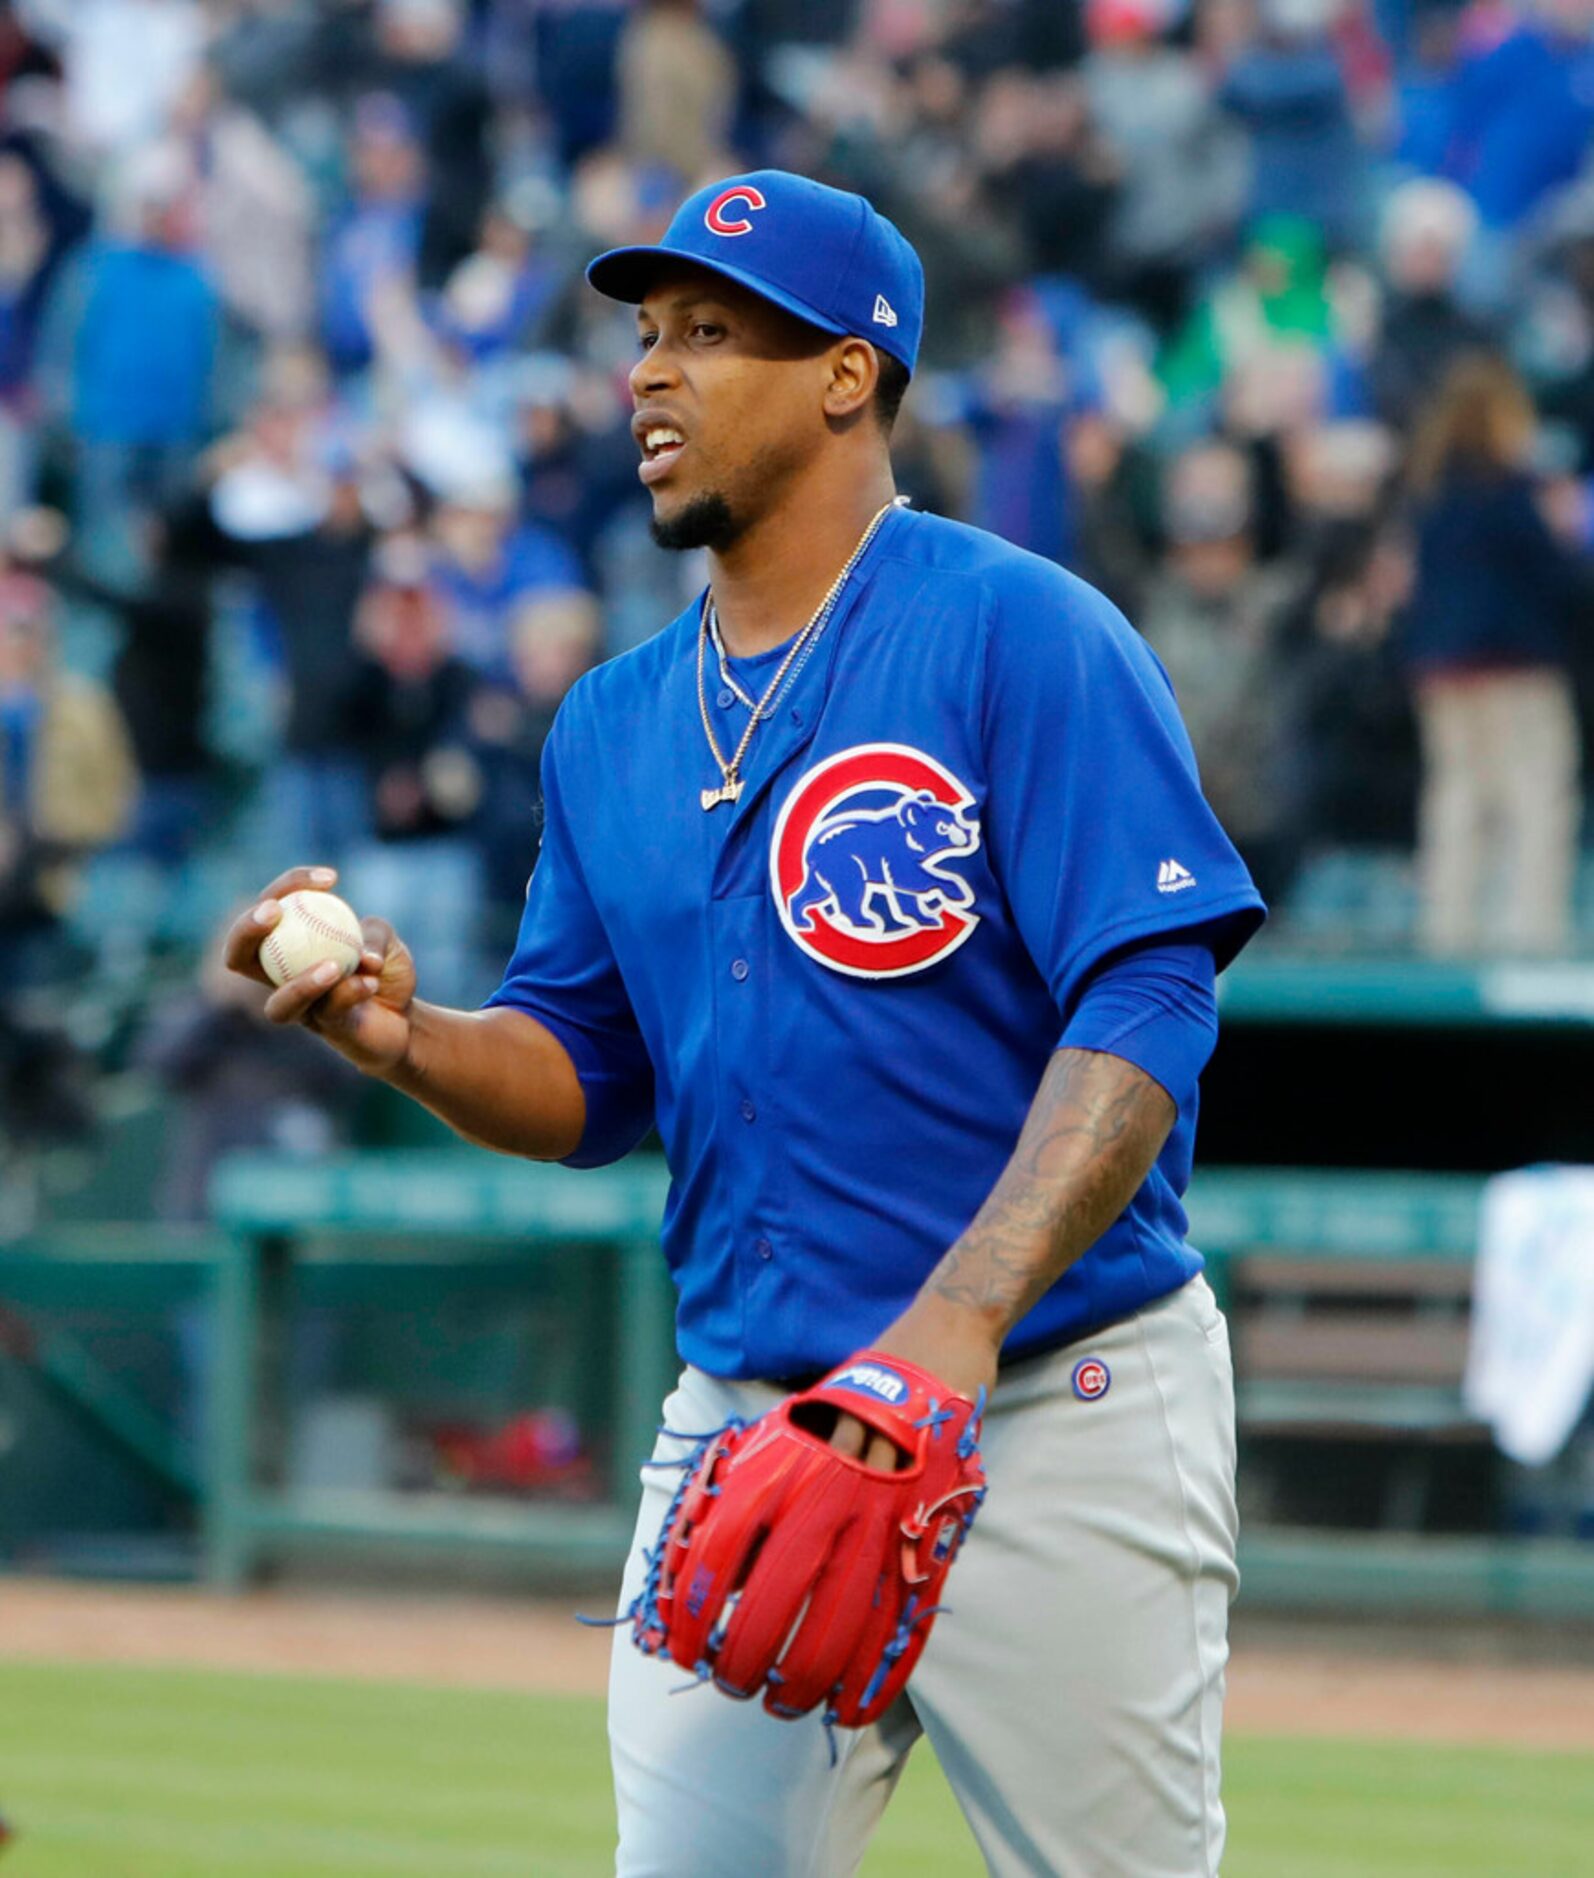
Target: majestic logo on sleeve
{"x": 721, "y": 223}
{"x": 864, "y": 861}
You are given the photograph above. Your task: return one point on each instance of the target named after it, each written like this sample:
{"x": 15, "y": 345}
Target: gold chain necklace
{"x": 732, "y": 781}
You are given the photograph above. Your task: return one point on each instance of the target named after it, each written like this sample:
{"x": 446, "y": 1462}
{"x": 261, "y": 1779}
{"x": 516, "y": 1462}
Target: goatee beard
{"x": 705, "y": 522}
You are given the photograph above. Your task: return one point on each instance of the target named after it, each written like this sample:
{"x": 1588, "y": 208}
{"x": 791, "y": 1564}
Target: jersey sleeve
{"x": 563, "y": 973}
{"x": 1094, "y": 820}
{"x": 1156, "y": 1006}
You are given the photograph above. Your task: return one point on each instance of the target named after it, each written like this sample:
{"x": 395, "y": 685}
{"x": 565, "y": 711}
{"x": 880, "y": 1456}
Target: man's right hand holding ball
{"x": 496, "y": 1076}
{"x": 364, "y": 1015}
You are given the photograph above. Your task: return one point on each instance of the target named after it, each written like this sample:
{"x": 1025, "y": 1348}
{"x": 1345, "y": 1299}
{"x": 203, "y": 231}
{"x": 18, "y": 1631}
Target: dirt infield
{"x": 1276, "y": 1686}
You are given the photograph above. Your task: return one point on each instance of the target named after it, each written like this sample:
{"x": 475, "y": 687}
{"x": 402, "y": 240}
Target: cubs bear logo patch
{"x": 863, "y": 862}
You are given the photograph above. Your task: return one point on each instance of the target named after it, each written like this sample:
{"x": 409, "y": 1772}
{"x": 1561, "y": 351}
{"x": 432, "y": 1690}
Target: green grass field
{"x": 136, "y": 1773}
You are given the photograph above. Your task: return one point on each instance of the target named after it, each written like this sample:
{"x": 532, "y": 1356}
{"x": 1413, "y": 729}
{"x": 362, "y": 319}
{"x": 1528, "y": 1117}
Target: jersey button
{"x": 739, "y": 969}
{"x": 763, "y": 1248}
{"x": 726, "y": 698}
{"x": 749, "y": 1113}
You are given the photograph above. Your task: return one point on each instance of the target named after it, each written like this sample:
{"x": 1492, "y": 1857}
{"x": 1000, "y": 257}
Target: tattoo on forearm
{"x": 1096, "y": 1125}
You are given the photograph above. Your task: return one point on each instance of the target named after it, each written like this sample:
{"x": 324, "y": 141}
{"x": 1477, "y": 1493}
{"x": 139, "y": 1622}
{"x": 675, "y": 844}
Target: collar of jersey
{"x": 771, "y": 656}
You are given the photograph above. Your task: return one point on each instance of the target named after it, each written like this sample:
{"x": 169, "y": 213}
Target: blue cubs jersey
{"x": 836, "y": 997}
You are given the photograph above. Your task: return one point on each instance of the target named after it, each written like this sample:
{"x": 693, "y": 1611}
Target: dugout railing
{"x": 416, "y": 1223}
{"x": 353, "y": 1207}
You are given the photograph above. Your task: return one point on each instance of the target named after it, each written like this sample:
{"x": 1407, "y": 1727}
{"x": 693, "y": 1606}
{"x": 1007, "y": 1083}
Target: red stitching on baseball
{"x": 328, "y": 931}
{"x": 317, "y": 925}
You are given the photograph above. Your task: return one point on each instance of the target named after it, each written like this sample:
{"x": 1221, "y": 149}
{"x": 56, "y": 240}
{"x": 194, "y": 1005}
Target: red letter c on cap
{"x": 714, "y": 214}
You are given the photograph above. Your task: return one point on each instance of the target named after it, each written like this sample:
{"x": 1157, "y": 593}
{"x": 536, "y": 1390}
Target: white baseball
{"x": 314, "y": 927}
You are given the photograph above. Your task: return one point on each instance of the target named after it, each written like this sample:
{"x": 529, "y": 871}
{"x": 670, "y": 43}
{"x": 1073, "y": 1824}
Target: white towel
{"x": 1531, "y": 1362}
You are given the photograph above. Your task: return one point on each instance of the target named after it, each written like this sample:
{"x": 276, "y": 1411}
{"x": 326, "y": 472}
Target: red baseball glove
{"x": 787, "y": 1570}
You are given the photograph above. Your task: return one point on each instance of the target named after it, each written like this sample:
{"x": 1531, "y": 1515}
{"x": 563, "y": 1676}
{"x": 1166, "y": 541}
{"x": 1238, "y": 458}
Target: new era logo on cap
{"x": 884, "y": 313}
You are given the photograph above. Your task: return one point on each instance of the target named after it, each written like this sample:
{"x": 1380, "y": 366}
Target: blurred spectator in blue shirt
{"x": 487, "y": 568}
{"x": 146, "y": 337}
{"x": 498, "y": 298}
{"x": 1016, "y": 412}
{"x": 143, "y": 325}
{"x": 1495, "y": 587}
{"x": 1288, "y": 90}
{"x": 1426, "y": 86}
{"x": 1487, "y": 644}
{"x": 1525, "y": 111}
{"x": 376, "y": 241}
{"x": 575, "y": 52}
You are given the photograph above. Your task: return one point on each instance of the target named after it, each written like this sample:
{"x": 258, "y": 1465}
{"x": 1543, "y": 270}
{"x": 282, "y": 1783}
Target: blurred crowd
{"x": 1274, "y": 318}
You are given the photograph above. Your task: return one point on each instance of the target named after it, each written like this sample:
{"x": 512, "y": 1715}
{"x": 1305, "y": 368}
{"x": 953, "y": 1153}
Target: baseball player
{"x": 881, "y": 883}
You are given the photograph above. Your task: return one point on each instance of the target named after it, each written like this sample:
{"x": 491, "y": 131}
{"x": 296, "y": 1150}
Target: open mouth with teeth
{"x": 661, "y": 445}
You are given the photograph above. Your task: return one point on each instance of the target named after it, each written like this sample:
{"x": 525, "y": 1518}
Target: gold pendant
{"x": 728, "y": 791}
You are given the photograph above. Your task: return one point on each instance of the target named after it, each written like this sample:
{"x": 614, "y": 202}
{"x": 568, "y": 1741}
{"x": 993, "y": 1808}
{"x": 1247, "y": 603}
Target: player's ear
{"x": 854, "y": 372}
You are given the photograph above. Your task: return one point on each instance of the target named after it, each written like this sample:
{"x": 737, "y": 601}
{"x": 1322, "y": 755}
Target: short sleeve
{"x": 563, "y": 973}
{"x": 1094, "y": 821}
{"x": 1156, "y": 1006}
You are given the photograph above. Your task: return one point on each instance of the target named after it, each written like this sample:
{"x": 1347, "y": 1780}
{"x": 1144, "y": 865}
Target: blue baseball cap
{"x": 823, "y": 254}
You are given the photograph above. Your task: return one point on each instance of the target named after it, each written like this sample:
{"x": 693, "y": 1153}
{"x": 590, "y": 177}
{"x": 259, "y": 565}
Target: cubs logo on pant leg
{"x": 863, "y": 862}
{"x": 1091, "y": 1379}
